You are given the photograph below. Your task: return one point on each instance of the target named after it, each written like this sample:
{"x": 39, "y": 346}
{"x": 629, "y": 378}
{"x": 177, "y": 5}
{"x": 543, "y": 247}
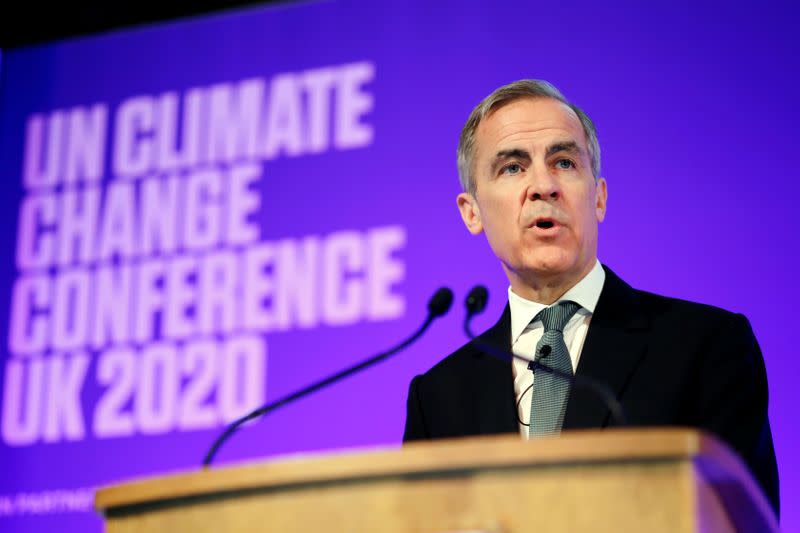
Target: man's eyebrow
{"x": 510, "y": 154}
{"x": 565, "y": 146}
{"x": 513, "y": 153}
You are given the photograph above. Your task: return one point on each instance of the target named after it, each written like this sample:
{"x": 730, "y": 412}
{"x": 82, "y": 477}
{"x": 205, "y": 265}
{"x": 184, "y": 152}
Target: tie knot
{"x": 557, "y": 316}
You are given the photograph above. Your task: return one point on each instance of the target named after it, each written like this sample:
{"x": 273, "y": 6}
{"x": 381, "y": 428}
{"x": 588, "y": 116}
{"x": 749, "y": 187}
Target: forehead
{"x": 528, "y": 121}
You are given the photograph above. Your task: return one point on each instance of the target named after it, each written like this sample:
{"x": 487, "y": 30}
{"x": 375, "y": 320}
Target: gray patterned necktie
{"x": 551, "y": 390}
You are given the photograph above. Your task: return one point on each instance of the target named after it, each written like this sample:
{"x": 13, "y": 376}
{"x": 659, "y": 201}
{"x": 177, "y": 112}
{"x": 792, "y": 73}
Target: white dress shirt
{"x": 526, "y": 334}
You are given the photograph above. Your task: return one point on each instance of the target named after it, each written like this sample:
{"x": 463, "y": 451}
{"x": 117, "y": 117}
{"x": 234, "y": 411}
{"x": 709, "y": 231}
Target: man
{"x": 529, "y": 164}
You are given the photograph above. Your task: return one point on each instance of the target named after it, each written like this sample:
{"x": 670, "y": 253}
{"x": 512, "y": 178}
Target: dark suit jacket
{"x": 669, "y": 362}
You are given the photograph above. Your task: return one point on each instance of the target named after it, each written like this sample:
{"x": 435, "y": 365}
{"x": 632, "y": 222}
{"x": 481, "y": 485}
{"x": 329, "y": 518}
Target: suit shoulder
{"x": 686, "y": 315}
{"x": 658, "y": 302}
{"x": 665, "y": 309}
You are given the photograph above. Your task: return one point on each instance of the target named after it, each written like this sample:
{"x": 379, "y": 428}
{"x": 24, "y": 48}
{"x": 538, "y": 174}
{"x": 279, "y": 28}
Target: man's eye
{"x": 513, "y": 168}
{"x": 565, "y": 164}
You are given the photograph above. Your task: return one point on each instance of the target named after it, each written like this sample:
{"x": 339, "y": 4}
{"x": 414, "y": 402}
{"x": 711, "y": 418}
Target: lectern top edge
{"x": 474, "y": 452}
{"x": 443, "y": 454}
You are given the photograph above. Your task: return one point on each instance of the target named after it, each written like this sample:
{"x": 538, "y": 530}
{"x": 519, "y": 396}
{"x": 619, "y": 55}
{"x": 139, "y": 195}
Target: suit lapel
{"x": 614, "y": 345}
{"x": 494, "y": 384}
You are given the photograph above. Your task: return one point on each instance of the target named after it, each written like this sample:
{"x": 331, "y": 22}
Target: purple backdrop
{"x": 344, "y": 218}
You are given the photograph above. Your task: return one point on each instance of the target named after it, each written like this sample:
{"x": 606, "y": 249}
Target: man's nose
{"x": 543, "y": 186}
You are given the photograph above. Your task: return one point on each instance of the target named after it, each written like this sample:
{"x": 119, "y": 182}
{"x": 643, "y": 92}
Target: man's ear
{"x": 470, "y": 213}
{"x": 602, "y": 197}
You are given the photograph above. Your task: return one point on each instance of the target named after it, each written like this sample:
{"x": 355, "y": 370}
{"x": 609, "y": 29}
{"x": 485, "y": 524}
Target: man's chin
{"x": 551, "y": 264}
{"x": 557, "y": 268}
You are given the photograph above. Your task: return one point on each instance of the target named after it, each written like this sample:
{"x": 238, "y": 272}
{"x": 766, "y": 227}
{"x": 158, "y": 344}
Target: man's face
{"x": 536, "y": 198}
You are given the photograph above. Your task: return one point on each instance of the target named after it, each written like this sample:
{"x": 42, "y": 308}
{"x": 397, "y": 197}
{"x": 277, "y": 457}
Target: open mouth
{"x": 544, "y": 224}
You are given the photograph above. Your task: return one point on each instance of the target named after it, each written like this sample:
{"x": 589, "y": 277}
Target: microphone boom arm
{"x": 438, "y": 305}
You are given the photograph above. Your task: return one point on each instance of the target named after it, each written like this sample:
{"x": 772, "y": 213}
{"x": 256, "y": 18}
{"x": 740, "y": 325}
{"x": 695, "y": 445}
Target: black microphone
{"x": 545, "y": 351}
{"x": 438, "y": 305}
{"x": 600, "y": 389}
{"x": 476, "y": 303}
{"x": 440, "y": 302}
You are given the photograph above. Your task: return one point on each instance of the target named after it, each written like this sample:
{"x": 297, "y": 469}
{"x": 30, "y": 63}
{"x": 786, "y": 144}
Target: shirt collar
{"x": 585, "y": 293}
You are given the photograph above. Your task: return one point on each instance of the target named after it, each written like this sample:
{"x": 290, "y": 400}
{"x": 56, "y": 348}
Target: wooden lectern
{"x": 643, "y": 480}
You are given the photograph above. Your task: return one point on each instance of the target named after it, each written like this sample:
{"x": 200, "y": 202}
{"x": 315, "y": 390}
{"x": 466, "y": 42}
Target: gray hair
{"x": 503, "y": 96}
